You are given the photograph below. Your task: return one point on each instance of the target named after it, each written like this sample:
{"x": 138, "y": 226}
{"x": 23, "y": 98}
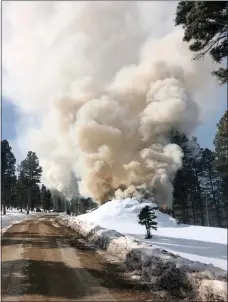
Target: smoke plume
{"x": 100, "y": 87}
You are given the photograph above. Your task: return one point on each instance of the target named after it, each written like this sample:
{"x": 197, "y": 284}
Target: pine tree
{"x": 210, "y": 180}
{"x": 49, "y": 200}
{"x": 43, "y": 197}
{"x": 183, "y": 181}
{"x": 22, "y": 190}
{"x": 205, "y": 27}
{"x": 46, "y": 198}
{"x": 13, "y": 199}
{"x": 198, "y": 194}
{"x": 31, "y": 171}
{"x": 59, "y": 201}
{"x": 68, "y": 207}
{"x": 36, "y": 197}
{"x": 221, "y": 150}
{"x": 147, "y": 217}
{"x": 7, "y": 172}
{"x": 221, "y": 153}
{"x": 188, "y": 204}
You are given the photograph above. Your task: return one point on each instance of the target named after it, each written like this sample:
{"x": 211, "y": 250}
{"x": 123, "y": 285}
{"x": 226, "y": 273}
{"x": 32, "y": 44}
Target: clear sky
{"x": 9, "y": 120}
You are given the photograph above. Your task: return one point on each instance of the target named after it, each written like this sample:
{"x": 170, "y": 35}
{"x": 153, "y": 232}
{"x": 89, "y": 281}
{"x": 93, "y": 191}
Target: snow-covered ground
{"x": 11, "y": 217}
{"x": 197, "y": 243}
{"x": 114, "y": 228}
{"x": 14, "y": 216}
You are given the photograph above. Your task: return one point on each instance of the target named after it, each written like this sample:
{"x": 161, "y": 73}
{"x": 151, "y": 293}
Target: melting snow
{"x": 14, "y": 216}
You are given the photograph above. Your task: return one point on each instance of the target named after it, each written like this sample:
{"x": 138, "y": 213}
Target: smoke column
{"x": 100, "y": 86}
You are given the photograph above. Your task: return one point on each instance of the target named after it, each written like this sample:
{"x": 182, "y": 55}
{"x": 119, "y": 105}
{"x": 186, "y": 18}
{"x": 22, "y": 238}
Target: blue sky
{"x": 9, "y": 120}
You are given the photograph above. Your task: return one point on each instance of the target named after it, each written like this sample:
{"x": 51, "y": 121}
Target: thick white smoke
{"x": 100, "y": 86}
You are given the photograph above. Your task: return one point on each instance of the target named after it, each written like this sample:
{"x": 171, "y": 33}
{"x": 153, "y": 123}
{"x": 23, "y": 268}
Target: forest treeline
{"x": 200, "y": 186}
{"x": 21, "y": 187}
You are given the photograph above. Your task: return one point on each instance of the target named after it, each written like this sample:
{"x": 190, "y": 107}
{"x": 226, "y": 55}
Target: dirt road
{"x": 43, "y": 261}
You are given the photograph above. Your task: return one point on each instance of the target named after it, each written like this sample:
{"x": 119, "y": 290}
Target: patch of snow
{"x": 14, "y": 216}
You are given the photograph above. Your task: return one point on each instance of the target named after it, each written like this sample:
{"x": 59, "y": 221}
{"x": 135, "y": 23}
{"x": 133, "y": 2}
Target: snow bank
{"x": 163, "y": 270}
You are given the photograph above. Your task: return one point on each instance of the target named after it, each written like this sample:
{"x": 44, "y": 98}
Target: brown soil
{"x": 42, "y": 261}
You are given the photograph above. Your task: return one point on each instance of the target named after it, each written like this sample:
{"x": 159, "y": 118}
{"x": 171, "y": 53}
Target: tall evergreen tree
{"x": 221, "y": 145}
{"x": 187, "y": 196}
{"x": 205, "y": 27}
{"x": 46, "y": 198}
{"x": 35, "y": 197}
{"x": 59, "y": 201}
{"x": 22, "y": 190}
{"x": 182, "y": 181}
{"x": 49, "y": 200}
{"x": 13, "y": 200}
{"x": 221, "y": 153}
{"x": 8, "y": 169}
{"x": 197, "y": 193}
{"x": 31, "y": 171}
{"x": 210, "y": 182}
{"x": 43, "y": 196}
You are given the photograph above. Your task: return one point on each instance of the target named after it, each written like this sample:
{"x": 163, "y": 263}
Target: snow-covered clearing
{"x": 15, "y": 216}
{"x": 176, "y": 252}
{"x": 12, "y": 216}
{"x": 197, "y": 243}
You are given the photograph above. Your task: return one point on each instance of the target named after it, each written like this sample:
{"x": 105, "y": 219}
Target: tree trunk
{"x": 201, "y": 210}
{"x": 29, "y": 200}
{"x": 11, "y": 199}
{"x": 185, "y": 209}
{"x": 193, "y": 210}
{"x": 200, "y": 198}
{"x": 148, "y": 236}
{"x": 4, "y": 206}
{"x": 21, "y": 205}
{"x": 4, "y": 202}
{"x": 173, "y": 212}
{"x": 77, "y": 208}
{"x": 215, "y": 201}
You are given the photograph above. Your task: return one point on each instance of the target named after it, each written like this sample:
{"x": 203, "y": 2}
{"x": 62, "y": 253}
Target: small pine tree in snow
{"x": 147, "y": 217}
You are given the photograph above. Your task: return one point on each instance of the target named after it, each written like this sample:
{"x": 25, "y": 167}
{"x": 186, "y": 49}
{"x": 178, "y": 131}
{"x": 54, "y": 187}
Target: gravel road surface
{"x": 43, "y": 261}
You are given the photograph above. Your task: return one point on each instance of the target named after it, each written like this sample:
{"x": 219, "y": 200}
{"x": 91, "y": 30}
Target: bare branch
{"x": 211, "y": 44}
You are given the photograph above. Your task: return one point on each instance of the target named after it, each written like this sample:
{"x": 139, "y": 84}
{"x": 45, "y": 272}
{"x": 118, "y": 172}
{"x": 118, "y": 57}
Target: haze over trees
{"x": 206, "y": 29}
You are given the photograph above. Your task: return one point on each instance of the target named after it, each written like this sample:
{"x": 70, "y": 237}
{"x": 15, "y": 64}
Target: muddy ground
{"x": 43, "y": 261}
